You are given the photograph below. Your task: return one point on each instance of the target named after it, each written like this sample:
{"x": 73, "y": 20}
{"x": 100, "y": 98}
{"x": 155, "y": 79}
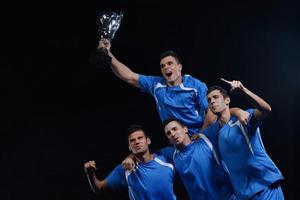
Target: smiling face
{"x": 217, "y": 102}
{"x": 138, "y": 143}
{"x": 171, "y": 70}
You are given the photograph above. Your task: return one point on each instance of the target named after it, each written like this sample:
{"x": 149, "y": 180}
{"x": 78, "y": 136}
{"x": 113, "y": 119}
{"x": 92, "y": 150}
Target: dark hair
{"x": 170, "y": 53}
{"x": 216, "y": 87}
{"x": 133, "y": 128}
{"x": 167, "y": 121}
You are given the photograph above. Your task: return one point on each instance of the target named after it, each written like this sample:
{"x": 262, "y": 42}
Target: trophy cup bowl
{"x": 107, "y": 23}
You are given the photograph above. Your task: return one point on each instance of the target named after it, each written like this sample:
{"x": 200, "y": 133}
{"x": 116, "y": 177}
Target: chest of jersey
{"x": 176, "y": 97}
{"x": 146, "y": 181}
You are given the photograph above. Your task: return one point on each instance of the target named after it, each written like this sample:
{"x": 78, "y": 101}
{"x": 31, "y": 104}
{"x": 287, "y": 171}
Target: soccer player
{"x": 252, "y": 172}
{"x": 196, "y": 163}
{"x": 151, "y": 179}
{"x": 177, "y": 96}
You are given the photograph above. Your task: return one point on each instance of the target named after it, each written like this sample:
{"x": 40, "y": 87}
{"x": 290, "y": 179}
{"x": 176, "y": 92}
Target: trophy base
{"x": 100, "y": 59}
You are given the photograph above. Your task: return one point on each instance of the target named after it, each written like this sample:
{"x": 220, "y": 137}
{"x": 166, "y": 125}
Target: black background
{"x": 58, "y": 110}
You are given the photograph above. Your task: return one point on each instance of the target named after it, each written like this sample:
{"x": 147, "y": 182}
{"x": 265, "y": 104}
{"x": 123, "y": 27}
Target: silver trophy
{"x": 107, "y": 23}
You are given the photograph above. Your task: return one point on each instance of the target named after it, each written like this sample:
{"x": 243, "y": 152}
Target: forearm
{"x": 262, "y": 107}
{"x": 95, "y": 183}
{"x": 209, "y": 118}
{"x": 235, "y": 111}
{"x": 123, "y": 72}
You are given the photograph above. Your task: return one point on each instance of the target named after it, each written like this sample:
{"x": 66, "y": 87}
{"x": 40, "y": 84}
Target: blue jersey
{"x": 200, "y": 171}
{"x": 240, "y": 147}
{"x": 186, "y": 102}
{"x": 148, "y": 181}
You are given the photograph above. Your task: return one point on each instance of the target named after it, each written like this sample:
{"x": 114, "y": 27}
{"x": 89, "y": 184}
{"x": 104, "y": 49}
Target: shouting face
{"x": 171, "y": 70}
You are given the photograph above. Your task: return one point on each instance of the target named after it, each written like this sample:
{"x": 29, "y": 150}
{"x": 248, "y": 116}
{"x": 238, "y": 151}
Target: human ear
{"x": 180, "y": 67}
{"x": 185, "y": 129}
{"x": 227, "y": 100}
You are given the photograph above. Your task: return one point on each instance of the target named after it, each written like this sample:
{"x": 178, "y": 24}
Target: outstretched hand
{"x": 235, "y": 85}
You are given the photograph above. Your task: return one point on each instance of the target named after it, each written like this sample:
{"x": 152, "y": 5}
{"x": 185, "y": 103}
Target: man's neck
{"x": 176, "y": 82}
{"x": 224, "y": 117}
{"x": 187, "y": 140}
{"x": 144, "y": 158}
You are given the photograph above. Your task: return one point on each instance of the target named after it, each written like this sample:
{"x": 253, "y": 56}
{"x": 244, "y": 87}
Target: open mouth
{"x": 168, "y": 74}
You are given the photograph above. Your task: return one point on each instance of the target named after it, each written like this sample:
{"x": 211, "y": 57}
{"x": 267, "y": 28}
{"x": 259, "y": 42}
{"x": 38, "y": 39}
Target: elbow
{"x": 268, "y": 108}
{"x": 132, "y": 80}
{"x": 96, "y": 190}
{"x": 133, "y": 83}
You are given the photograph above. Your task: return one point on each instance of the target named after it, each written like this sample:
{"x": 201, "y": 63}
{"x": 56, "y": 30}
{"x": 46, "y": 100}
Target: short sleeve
{"x": 147, "y": 83}
{"x": 116, "y": 179}
{"x": 202, "y": 92}
{"x": 167, "y": 153}
{"x": 253, "y": 123}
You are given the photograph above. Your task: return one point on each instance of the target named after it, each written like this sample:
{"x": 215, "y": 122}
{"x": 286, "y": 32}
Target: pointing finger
{"x": 226, "y": 81}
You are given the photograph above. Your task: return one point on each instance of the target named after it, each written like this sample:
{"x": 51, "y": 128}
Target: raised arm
{"x": 121, "y": 70}
{"x": 95, "y": 183}
{"x": 262, "y": 108}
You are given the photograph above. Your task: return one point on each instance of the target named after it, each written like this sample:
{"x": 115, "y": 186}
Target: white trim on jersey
{"x": 189, "y": 89}
{"x": 209, "y": 144}
{"x": 157, "y": 86}
{"x": 130, "y": 193}
{"x": 163, "y": 163}
{"x": 128, "y": 172}
{"x": 238, "y": 123}
{"x": 131, "y": 196}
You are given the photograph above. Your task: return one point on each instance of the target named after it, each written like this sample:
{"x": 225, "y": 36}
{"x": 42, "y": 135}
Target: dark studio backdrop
{"x": 59, "y": 111}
